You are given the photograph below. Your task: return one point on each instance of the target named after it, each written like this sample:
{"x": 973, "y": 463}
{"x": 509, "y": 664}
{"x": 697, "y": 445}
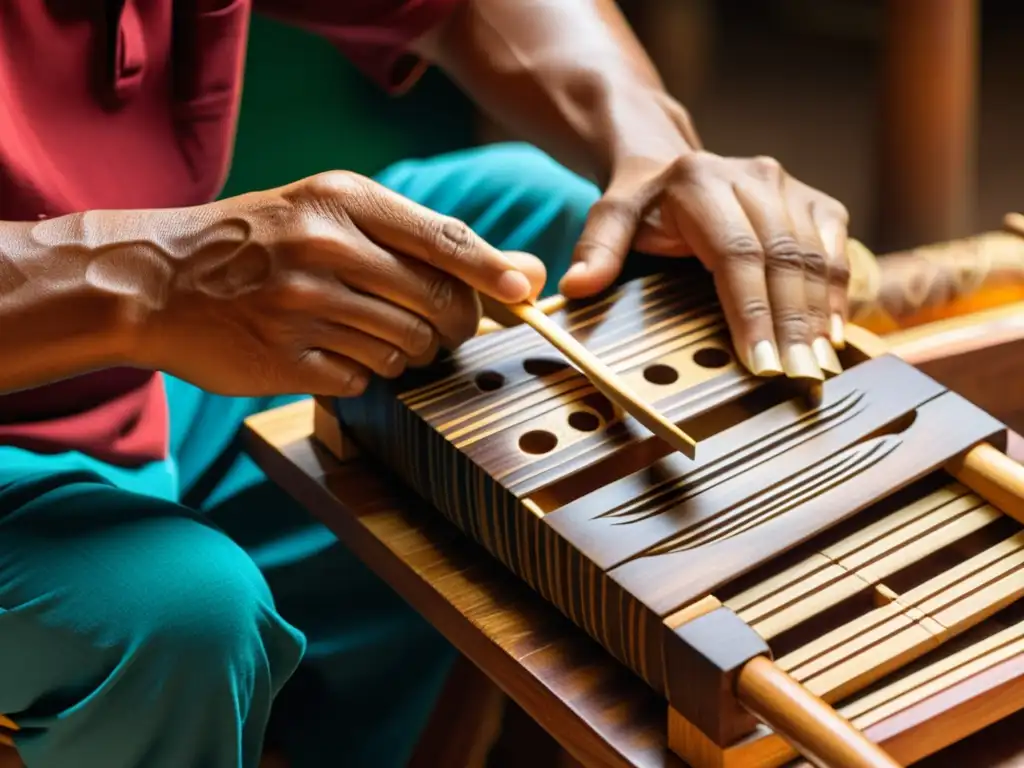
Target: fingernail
{"x": 513, "y": 286}
{"x": 798, "y": 362}
{"x": 764, "y": 359}
{"x": 837, "y": 331}
{"x": 356, "y": 384}
{"x": 826, "y": 356}
{"x": 576, "y": 269}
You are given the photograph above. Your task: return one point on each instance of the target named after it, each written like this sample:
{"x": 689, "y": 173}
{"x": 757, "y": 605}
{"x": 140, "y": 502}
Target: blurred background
{"x": 842, "y": 92}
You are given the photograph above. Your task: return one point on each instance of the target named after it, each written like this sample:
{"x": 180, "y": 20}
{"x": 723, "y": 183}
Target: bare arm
{"x": 570, "y": 76}
{"x": 309, "y": 288}
{"x": 65, "y": 306}
{"x": 567, "y": 75}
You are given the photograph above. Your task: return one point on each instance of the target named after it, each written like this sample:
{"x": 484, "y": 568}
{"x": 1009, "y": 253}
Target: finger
{"x": 533, "y": 268}
{"x": 601, "y": 250}
{"x": 784, "y": 275}
{"x": 324, "y": 373}
{"x": 832, "y": 227}
{"x": 426, "y": 358}
{"x": 815, "y": 282}
{"x": 447, "y": 303}
{"x": 369, "y": 351}
{"x": 450, "y": 245}
{"x": 608, "y": 234}
{"x": 336, "y": 304}
{"x": 713, "y": 221}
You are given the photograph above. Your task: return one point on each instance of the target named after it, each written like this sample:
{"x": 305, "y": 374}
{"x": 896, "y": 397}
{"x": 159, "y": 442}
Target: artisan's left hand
{"x": 776, "y": 247}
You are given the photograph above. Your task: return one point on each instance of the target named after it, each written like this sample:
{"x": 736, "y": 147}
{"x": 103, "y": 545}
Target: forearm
{"x": 71, "y": 299}
{"x": 567, "y": 75}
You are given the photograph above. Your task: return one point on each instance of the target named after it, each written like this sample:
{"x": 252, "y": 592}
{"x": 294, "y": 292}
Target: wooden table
{"x": 595, "y": 708}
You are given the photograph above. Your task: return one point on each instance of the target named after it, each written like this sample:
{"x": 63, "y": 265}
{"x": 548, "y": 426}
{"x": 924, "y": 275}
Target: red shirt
{"x": 136, "y": 108}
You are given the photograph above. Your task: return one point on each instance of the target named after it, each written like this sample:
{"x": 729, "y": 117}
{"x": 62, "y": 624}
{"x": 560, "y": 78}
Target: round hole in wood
{"x": 537, "y": 441}
{"x": 712, "y": 357}
{"x": 584, "y": 421}
{"x": 661, "y": 374}
{"x": 543, "y": 366}
{"x": 488, "y": 381}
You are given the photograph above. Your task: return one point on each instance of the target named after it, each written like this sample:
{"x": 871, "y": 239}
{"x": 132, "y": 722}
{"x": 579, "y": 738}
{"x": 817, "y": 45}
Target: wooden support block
{"x": 520, "y": 451}
{"x": 703, "y": 658}
{"x": 328, "y": 432}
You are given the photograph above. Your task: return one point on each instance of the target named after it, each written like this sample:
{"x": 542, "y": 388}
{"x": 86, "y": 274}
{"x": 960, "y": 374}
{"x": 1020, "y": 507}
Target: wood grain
{"x": 599, "y": 711}
{"x": 619, "y": 536}
{"x": 805, "y": 720}
{"x": 596, "y": 709}
{"x": 605, "y": 380}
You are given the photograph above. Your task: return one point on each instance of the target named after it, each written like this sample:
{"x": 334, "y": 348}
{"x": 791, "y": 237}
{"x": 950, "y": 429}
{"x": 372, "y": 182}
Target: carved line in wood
{"x": 577, "y": 585}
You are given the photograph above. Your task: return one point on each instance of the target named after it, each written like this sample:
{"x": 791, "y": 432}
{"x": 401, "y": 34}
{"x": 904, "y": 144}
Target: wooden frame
{"x": 990, "y": 473}
{"x": 601, "y": 714}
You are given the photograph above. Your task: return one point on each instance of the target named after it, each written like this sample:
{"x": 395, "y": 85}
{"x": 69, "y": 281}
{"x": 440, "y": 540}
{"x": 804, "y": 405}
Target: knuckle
{"x": 817, "y": 315}
{"x": 754, "y": 309}
{"x": 839, "y": 274}
{"x": 440, "y": 293}
{"x": 453, "y": 239}
{"x": 815, "y": 264}
{"x": 335, "y": 183}
{"x": 294, "y": 293}
{"x": 313, "y": 228}
{"x": 744, "y": 249}
{"x": 836, "y": 210}
{"x": 783, "y": 254}
{"x": 767, "y": 168}
{"x": 793, "y": 325}
{"x": 688, "y": 166}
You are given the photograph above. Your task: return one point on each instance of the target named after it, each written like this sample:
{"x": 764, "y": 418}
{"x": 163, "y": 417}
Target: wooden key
{"x": 604, "y": 379}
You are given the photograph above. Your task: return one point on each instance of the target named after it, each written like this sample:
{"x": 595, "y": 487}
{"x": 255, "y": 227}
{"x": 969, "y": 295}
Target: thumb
{"x": 601, "y": 251}
{"x": 536, "y": 273}
{"x": 534, "y": 269}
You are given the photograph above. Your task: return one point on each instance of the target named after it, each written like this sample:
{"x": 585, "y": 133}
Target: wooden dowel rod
{"x": 815, "y": 729}
{"x": 551, "y": 304}
{"x": 604, "y": 379}
{"x": 500, "y": 315}
{"x": 488, "y": 325}
{"x": 994, "y": 476}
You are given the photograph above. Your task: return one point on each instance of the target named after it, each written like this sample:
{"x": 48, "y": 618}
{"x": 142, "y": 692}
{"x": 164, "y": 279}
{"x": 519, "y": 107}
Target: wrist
{"x": 106, "y": 271}
{"x": 645, "y": 123}
{"x": 63, "y": 313}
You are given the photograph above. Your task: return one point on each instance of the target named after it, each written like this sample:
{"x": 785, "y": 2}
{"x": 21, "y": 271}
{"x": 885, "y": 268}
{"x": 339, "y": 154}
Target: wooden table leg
{"x": 466, "y": 721}
{"x": 928, "y": 145}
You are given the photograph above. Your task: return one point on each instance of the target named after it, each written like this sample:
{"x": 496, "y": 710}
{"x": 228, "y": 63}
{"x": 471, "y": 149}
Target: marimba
{"x": 818, "y": 582}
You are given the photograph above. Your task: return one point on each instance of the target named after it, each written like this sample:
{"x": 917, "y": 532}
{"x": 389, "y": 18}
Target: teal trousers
{"x": 180, "y": 614}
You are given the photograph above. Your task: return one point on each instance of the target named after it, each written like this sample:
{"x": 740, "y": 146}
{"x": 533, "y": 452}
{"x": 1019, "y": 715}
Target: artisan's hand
{"x": 316, "y": 286}
{"x": 777, "y": 249}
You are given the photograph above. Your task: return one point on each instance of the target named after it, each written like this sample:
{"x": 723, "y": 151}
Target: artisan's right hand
{"x": 317, "y": 286}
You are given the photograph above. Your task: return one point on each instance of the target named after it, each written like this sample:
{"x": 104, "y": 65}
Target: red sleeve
{"x": 374, "y": 34}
